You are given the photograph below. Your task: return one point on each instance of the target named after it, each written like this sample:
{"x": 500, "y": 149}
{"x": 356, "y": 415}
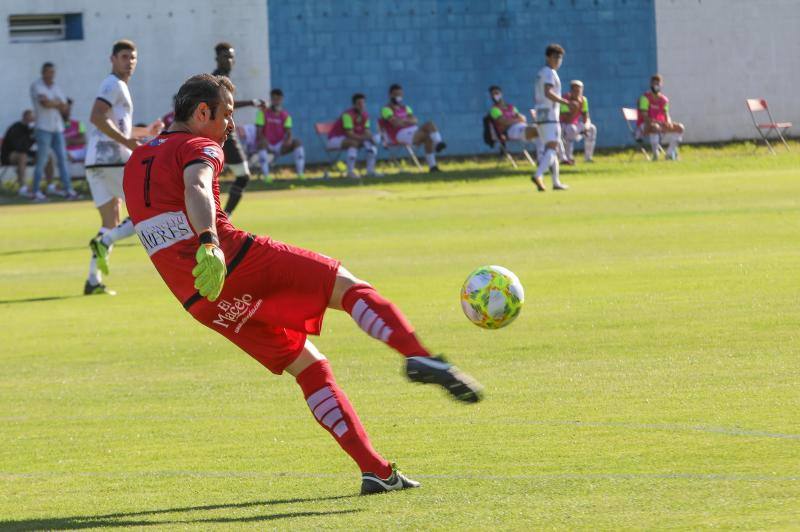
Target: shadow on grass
{"x": 402, "y": 177}
{"x": 123, "y": 519}
{"x": 54, "y": 250}
{"x": 38, "y": 299}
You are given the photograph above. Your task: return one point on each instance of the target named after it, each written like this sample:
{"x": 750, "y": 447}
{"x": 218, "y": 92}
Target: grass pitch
{"x": 651, "y": 380}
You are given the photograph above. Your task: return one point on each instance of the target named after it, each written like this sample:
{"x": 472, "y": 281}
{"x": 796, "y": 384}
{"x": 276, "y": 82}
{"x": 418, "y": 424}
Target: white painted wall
{"x": 715, "y": 53}
{"x": 175, "y": 38}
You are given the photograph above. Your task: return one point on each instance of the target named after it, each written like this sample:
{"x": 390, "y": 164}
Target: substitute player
{"x": 350, "y": 132}
{"x": 403, "y": 127}
{"x": 655, "y": 121}
{"x": 274, "y": 135}
{"x": 235, "y": 157}
{"x": 263, "y": 295}
{"x": 508, "y": 121}
{"x": 110, "y": 144}
{"x": 547, "y": 97}
{"x": 575, "y": 121}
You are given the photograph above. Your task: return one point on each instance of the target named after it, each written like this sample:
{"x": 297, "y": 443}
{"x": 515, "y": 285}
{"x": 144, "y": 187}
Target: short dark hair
{"x": 393, "y": 87}
{"x": 123, "y": 44}
{"x": 47, "y": 65}
{"x": 494, "y": 88}
{"x": 222, "y": 46}
{"x": 553, "y": 49}
{"x": 198, "y": 89}
{"x": 358, "y": 96}
{"x": 276, "y": 92}
{"x": 656, "y": 77}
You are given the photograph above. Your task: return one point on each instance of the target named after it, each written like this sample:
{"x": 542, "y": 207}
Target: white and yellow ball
{"x": 492, "y": 297}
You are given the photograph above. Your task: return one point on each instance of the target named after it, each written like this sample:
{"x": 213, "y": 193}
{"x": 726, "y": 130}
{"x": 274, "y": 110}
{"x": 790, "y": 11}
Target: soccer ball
{"x": 492, "y": 297}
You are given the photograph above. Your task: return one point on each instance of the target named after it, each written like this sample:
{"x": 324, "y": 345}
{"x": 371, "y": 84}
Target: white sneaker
{"x": 561, "y": 186}
{"x": 53, "y": 191}
{"x": 24, "y": 192}
{"x": 72, "y": 195}
{"x": 39, "y": 197}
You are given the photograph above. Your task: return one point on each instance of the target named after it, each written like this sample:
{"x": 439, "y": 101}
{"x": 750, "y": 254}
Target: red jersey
{"x": 154, "y": 195}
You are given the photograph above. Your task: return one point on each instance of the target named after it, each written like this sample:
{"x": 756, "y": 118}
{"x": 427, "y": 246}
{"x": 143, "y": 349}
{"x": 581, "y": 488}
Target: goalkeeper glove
{"x": 209, "y": 274}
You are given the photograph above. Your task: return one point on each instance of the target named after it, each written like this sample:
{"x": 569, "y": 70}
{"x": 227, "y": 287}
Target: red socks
{"x": 382, "y": 320}
{"x": 333, "y": 411}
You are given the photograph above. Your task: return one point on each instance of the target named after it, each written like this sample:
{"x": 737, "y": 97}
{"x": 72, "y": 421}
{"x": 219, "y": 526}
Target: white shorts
{"x": 406, "y": 135}
{"x": 549, "y": 131}
{"x": 105, "y": 183}
{"x": 275, "y": 149}
{"x": 335, "y": 143}
{"x": 516, "y": 131}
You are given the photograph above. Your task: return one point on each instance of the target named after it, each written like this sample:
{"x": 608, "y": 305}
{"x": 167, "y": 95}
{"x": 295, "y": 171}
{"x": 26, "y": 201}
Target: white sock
{"x": 123, "y": 230}
{"x": 372, "y": 157}
{"x": 263, "y": 160}
{"x": 588, "y": 142}
{"x": 555, "y": 169}
{"x": 654, "y": 139}
{"x": 673, "y": 139}
{"x": 95, "y": 277}
{"x": 300, "y": 160}
{"x": 569, "y": 148}
{"x": 436, "y": 137}
{"x": 352, "y": 153}
{"x": 546, "y": 161}
{"x": 430, "y": 158}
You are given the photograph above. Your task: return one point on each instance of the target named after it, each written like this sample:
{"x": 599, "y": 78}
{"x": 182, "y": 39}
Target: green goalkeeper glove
{"x": 209, "y": 274}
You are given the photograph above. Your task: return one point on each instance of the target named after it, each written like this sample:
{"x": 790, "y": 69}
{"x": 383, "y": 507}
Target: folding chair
{"x": 322, "y": 129}
{"x": 631, "y": 117}
{"x": 389, "y": 145}
{"x": 496, "y": 138}
{"x": 758, "y": 105}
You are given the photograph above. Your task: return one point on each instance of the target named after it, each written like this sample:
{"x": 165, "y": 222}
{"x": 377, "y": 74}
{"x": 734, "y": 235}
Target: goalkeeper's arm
{"x": 199, "y": 198}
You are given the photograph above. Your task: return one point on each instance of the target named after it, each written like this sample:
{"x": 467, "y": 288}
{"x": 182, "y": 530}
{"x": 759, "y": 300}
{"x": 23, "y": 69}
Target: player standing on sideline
{"x": 274, "y": 135}
{"x": 576, "y": 122}
{"x": 110, "y": 144}
{"x": 402, "y": 127}
{"x": 263, "y": 295}
{"x": 547, "y": 99}
{"x": 235, "y": 158}
{"x": 654, "y": 120}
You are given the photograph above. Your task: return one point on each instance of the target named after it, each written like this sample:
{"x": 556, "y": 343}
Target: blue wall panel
{"x": 447, "y": 52}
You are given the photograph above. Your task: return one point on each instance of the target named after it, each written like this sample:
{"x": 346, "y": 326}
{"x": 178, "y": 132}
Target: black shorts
{"x": 234, "y": 154}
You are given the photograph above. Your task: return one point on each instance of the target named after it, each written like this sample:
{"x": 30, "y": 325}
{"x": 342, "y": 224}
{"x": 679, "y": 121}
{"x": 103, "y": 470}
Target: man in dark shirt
{"x": 17, "y": 144}
{"x": 235, "y": 157}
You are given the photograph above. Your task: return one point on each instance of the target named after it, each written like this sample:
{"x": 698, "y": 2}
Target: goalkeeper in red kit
{"x": 263, "y": 295}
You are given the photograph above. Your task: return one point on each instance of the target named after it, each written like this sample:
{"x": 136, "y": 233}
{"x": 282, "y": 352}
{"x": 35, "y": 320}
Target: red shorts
{"x": 271, "y": 300}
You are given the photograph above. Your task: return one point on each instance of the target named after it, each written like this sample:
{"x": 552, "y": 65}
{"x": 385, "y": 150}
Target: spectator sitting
{"x": 575, "y": 121}
{"x": 655, "y": 121}
{"x": 508, "y": 121}
{"x": 274, "y": 135}
{"x": 74, "y": 135}
{"x": 351, "y": 131}
{"x": 16, "y": 149}
{"x": 402, "y": 127}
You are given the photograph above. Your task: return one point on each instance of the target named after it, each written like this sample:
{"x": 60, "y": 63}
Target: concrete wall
{"x": 716, "y": 53}
{"x": 175, "y": 40}
{"x": 447, "y": 52}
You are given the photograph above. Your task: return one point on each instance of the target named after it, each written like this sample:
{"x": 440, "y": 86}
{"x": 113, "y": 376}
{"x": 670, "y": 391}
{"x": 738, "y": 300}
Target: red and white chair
{"x": 765, "y": 129}
{"x": 334, "y": 156}
{"x": 390, "y": 145}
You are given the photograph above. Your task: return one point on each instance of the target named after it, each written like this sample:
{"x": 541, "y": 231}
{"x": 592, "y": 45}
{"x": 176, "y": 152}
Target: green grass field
{"x": 651, "y": 381}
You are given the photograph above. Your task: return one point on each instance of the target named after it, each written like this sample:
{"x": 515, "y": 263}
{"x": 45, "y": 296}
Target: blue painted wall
{"x": 447, "y": 52}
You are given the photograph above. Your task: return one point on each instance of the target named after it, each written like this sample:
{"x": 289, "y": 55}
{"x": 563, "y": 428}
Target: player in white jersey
{"x": 547, "y": 101}
{"x": 110, "y": 144}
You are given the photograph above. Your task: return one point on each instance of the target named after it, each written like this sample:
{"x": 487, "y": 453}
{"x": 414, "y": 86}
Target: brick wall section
{"x": 447, "y": 52}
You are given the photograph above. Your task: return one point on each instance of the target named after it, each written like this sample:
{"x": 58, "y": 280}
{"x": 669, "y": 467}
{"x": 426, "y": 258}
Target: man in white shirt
{"x": 49, "y": 102}
{"x": 548, "y": 98}
{"x": 111, "y": 142}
